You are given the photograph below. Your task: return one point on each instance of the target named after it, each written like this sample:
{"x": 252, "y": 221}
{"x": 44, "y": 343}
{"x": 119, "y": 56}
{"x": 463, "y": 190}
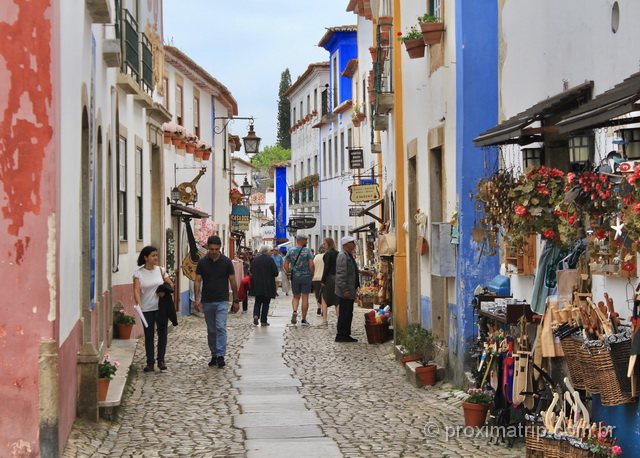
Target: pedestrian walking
{"x": 263, "y": 284}
{"x": 279, "y": 260}
{"x": 214, "y": 274}
{"x": 316, "y": 281}
{"x": 286, "y": 281}
{"x": 245, "y": 259}
{"x": 328, "y": 280}
{"x": 299, "y": 264}
{"x": 347, "y": 284}
{"x": 146, "y": 280}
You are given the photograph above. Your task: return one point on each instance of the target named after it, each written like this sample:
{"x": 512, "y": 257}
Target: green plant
{"x": 171, "y": 250}
{"x": 428, "y": 18}
{"x": 479, "y": 396}
{"x": 307, "y": 181}
{"x": 107, "y": 369}
{"x": 121, "y": 317}
{"x": 421, "y": 342}
{"x": 412, "y": 34}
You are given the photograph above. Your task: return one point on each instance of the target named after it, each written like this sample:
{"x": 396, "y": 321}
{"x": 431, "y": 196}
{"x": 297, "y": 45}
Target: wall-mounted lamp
{"x": 580, "y": 151}
{"x": 532, "y": 157}
{"x": 251, "y": 142}
{"x": 175, "y": 195}
{"x": 631, "y": 144}
{"x": 246, "y": 188}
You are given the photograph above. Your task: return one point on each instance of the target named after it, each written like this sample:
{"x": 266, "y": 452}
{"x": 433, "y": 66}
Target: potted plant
{"x": 407, "y": 339}
{"x": 206, "y": 154}
{"x": 177, "y": 136}
{"x": 168, "y": 130}
{"x": 425, "y": 346}
{"x": 235, "y": 196}
{"x": 124, "y": 323}
{"x": 476, "y": 406}
{"x": 357, "y": 115}
{"x": 413, "y": 42}
{"x": 106, "y": 371}
{"x": 432, "y": 28}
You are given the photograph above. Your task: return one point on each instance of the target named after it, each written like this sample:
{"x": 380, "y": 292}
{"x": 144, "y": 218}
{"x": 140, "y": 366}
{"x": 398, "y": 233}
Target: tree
{"x": 284, "y": 111}
{"x": 270, "y": 155}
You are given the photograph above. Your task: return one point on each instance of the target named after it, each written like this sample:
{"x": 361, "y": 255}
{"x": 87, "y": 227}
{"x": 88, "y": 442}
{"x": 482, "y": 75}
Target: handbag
{"x": 387, "y": 245}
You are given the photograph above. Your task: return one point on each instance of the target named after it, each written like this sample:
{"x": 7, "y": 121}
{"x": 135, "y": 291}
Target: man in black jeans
{"x": 347, "y": 284}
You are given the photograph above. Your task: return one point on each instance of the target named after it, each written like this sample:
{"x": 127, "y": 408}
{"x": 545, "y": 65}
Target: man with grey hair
{"x": 299, "y": 263}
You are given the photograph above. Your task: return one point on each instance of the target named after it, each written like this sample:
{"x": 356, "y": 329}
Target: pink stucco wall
{"x": 27, "y": 201}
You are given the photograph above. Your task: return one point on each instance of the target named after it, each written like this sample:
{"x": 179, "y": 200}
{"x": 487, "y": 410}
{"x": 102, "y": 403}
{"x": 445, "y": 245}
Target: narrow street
{"x": 286, "y": 391}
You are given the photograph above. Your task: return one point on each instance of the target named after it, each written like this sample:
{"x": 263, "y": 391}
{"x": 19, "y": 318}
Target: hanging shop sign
{"x": 364, "y": 192}
{"x": 240, "y": 218}
{"x": 354, "y": 211}
{"x": 356, "y": 158}
{"x": 268, "y": 232}
{"x": 302, "y": 222}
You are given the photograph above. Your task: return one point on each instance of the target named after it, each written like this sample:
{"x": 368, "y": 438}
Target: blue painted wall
{"x": 476, "y": 111}
{"x": 281, "y": 202}
{"x": 346, "y": 44}
{"x": 425, "y": 312}
{"x": 626, "y": 419}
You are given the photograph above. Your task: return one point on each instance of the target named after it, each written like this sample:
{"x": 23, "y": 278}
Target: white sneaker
{"x": 294, "y": 317}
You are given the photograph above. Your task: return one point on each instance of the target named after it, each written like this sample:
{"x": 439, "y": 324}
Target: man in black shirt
{"x": 215, "y": 273}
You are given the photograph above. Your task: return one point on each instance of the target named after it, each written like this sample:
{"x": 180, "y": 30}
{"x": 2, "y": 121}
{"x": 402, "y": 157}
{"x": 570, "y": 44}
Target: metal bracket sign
{"x": 304, "y": 222}
{"x": 356, "y": 158}
{"x": 240, "y": 218}
{"x": 364, "y": 192}
{"x": 353, "y": 211}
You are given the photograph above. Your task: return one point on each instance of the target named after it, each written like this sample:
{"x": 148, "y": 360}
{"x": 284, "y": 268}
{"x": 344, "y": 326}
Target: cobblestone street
{"x": 286, "y": 391}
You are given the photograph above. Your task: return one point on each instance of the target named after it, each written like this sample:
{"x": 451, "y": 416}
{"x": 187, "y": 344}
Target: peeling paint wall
{"x": 27, "y": 204}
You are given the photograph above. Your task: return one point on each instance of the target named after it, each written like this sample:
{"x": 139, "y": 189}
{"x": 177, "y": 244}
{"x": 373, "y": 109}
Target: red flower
{"x": 629, "y": 267}
{"x": 600, "y": 234}
{"x": 570, "y": 177}
{"x": 543, "y": 190}
{"x": 572, "y": 220}
{"x": 521, "y": 211}
{"x": 636, "y": 208}
{"x": 548, "y": 234}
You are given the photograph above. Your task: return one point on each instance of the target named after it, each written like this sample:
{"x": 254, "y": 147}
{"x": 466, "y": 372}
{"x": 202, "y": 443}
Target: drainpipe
{"x": 400, "y": 271}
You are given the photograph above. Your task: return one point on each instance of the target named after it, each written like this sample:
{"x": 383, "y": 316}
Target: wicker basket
{"x": 377, "y": 333}
{"x": 533, "y": 442}
{"x": 571, "y": 347}
{"x": 610, "y": 368}
{"x": 553, "y": 448}
{"x": 589, "y": 372}
{"x": 366, "y": 302}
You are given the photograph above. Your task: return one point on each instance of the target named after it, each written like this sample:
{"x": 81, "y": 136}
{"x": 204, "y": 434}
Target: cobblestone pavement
{"x": 358, "y": 391}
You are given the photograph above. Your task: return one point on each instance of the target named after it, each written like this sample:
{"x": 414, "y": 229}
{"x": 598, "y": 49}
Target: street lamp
{"x": 175, "y": 195}
{"x": 246, "y": 188}
{"x": 251, "y": 142}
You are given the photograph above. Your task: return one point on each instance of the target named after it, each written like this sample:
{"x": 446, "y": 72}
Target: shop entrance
{"x": 414, "y": 279}
{"x": 438, "y": 284}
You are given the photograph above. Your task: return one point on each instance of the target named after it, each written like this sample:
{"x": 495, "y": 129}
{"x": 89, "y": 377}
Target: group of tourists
{"x": 333, "y": 276}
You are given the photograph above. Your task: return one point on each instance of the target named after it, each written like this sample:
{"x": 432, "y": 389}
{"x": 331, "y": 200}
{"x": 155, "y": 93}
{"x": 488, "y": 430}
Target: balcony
{"x": 99, "y": 10}
{"x": 305, "y": 192}
{"x": 136, "y": 56}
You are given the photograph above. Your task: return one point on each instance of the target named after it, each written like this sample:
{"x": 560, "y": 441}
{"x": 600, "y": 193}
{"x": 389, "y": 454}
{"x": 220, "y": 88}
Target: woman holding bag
{"x": 146, "y": 280}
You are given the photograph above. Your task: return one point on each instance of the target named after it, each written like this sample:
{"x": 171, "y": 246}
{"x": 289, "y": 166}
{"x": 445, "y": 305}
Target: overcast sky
{"x": 247, "y": 44}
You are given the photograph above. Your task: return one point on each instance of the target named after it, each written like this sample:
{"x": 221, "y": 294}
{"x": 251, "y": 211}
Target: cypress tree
{"x": 284, "y": 111}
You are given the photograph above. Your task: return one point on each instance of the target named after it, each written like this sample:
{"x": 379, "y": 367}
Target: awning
{"x": 369, "y": 208}
{"x": 513, "y": 130}
{"x": 184, "y": 211}
{"x": 597, "y": 112}
{"x": 370, "y": 227}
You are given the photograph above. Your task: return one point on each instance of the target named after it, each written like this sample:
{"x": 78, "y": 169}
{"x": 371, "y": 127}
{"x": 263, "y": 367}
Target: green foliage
{"x": 307, "y": 181}
{"x": 428, "y": 18}
{"x": 107, "y": 369}
{"x": 171, "y": 250}
{"x": 419, "y": 341}
{"x": 284, "y": 111}
{"x": 412, "y": 34}
{"x": 479, "y": 396}
{"x": 271, "y": 155}
{"x": 121, "y": 317}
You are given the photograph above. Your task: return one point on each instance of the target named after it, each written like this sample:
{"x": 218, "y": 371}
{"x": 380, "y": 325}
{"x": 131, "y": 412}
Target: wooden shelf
{"x": 609, "y": 268}
{"x": 523, "y": 256}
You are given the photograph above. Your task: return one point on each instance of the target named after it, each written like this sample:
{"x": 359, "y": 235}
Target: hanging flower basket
{"x": 167, "y": 137}
{"x": 198, "y": 153}
{"x": 190, "y": 147}
{"x": 176, "y": 139}
{"x": 206, "y": 155}
{"x": 432, "y": 32}
{"x": 415, "y": 48}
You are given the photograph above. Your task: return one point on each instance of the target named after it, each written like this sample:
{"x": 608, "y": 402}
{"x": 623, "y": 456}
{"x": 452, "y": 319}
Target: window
{"x": 315, "y": 99}
{"x": 335, "y": 157}
{"x": 315, "y": 164}
{"x": 179, "y": 101}
{"x": 139, "y": 212}
{"x": 301, "y": 110}
{"x": 342, "y": 155}
{"x": 309, "y": 166}
{"x": 295, "y": 173}
{"x": 435, "y": 8}
{"x": 196, "y": 117}
{"x": 329, "y": 153}
{"x": 335, "y": 81}
{"x": 325, "y": 102}
{"x": 364, "y": 96}
{"x": 308, "y": 104}
{"x": 122, "y": 189}
{"x": 324, "y": 159}
{"x": 294, "y": 115}
{"x": 349, "y": 138}
{"x": 165, "y": 84}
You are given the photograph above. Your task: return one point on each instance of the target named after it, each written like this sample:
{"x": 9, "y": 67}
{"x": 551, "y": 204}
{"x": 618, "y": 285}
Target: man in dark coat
{"x": 263, "y": 284}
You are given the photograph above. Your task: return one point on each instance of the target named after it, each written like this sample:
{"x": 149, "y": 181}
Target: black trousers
{"x": 153, "y": 320}
{"x": 261, "y": 308}
{"x": 345, "y": 318}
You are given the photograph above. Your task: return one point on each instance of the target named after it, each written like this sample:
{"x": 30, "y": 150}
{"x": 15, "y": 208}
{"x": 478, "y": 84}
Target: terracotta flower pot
{"x": 183, "y": 144}
{"x": 427, "y": 374}
{"x": 175, "y": 140}
{"x": 432, "y": 32}
{"x": 415, "y": 48}
{"x": 384, "y": 37}
{"x": 198, "y": 153}
{"x": 474, "y": 414}
{"x": 103, "y": 388}
{"x": 167, "y": 137}
{"x": 206, "y": 155}
{"x": 124, "y": 330}
{"x": 405, "y": 359}
{"x": 386, "y": 23}
{"x": 361, "y": 117}
{"x": 355, "y": 122}
{"x": 190, "y": 147}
